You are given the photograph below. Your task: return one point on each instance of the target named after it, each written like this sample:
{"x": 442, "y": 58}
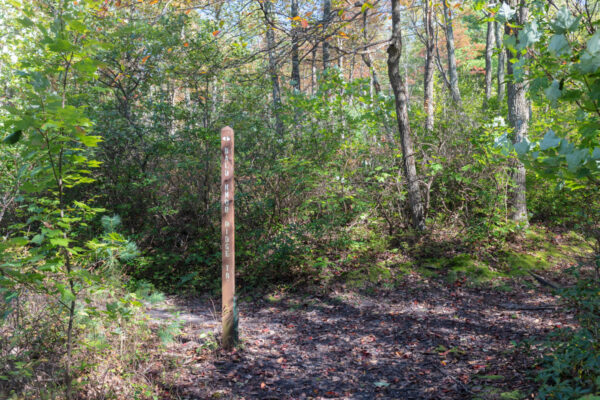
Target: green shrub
{"x": 571, "y": 368}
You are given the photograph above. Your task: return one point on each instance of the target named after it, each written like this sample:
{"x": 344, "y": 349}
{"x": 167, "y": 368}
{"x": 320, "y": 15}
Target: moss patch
{"x": 492, "y": 393}
{"x": 543, "y": 251}
{"x": 512, "y": 395}
{"x": 362, "y": 277}
{"x": 474, "y": 269}
{"x": 370, "y": 260}
{"x": 519, "y": 264}
{"x": 462, "y": 267}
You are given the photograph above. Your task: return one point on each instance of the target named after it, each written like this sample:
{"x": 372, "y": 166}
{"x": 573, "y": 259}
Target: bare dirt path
{"x": 422, "y": 340}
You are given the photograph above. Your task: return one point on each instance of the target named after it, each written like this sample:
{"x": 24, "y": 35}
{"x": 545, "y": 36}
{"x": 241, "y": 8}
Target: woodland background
{"x": 453, "y": 140}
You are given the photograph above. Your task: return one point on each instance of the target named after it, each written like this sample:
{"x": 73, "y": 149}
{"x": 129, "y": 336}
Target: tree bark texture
{"x": 429, "y": 68}
{"x": 518, "y": 116}
{"x": 501, "y": 63}
{"x": 273, "y": 69}
{"x": 452, "y": 72}
{"x": 399, "y": 88}
{"x": 375, "y": 86}
{"x": 295, "y": 49}
{"x": 326, "y": 18}
{"x": 489, "y": 50}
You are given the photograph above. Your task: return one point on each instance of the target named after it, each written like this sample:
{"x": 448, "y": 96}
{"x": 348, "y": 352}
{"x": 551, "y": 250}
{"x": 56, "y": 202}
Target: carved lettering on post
{"x": 229, "y": 309}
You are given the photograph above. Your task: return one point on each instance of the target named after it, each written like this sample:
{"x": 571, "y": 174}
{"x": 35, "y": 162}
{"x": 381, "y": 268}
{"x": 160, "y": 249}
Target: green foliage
{"x": 168, "y": 332}
{"x": 564, "y": 69}
{"x": 109, "y": 166}
{"x": 571, "y": 368}
{"x": 53, "y": 250}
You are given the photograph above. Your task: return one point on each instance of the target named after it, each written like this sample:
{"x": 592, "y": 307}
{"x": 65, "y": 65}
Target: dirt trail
{"x": 423, "y": 340}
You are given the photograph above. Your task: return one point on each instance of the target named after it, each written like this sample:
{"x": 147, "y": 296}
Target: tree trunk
{"x": 295, "y": 51}
{"x": 428, "y": 74}
{"x": 375, "y": 86}
{"x": 313, "y": 71}
{"x": 452, "y": 72}
{"x": 399, "y": 87}
{"x": 489, "y": 49}
{"x": 501, "y": 62}
{"x": 340, "y": 56}
{"x": 518, "y": 116}
{"x": 326, "y": 17}
{"x": 273, "y": 70}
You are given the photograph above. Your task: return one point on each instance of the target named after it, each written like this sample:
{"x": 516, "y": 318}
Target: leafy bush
{"x": 571, "y": 368}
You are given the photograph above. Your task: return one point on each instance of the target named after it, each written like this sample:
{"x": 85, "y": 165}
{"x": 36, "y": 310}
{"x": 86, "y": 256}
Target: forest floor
{"x": 420, "y": 341}
{"x": 423, "y": 338}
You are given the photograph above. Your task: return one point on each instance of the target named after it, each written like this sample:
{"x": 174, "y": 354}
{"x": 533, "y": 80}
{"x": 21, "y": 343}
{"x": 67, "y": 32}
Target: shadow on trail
{"x": 418, "y": 342}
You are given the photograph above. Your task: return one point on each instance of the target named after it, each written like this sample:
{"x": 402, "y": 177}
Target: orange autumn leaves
{"x": 303, "y": 21}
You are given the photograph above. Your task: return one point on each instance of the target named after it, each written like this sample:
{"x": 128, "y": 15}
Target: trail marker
{"x": 229, "y": 309}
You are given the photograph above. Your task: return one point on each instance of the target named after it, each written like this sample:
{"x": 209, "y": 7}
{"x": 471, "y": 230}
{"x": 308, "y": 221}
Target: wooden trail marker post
{"x": 229, "y": 309}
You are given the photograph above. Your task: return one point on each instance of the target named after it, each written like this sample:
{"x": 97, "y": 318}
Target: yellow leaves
{"x": 303, "y": 21}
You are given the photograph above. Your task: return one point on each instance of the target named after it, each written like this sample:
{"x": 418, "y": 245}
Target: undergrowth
{"x": 570, "y": 368}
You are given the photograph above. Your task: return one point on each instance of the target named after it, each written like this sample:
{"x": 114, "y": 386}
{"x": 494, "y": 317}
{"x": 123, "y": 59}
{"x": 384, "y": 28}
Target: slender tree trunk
{"x": 518, "y": 116}
{"x": 375, "y": 86}
{"x": 489, "y": 50}
{"x": 399, "y": 87}
{"x": 437, "y": 57}
{"x": 2, "y": 211}
{"x": 295, "y": 51}
{"x": 326, "y": 17}
{"x": 313, "y": 71}
{"x": 273, "y": 69}
{"x": 428, "y": 74}
{"x": 452, "y": 72}
{"x": 340, "y": 56}
{"x": 501, "y": 62}
{"x": 58, "y": 176}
